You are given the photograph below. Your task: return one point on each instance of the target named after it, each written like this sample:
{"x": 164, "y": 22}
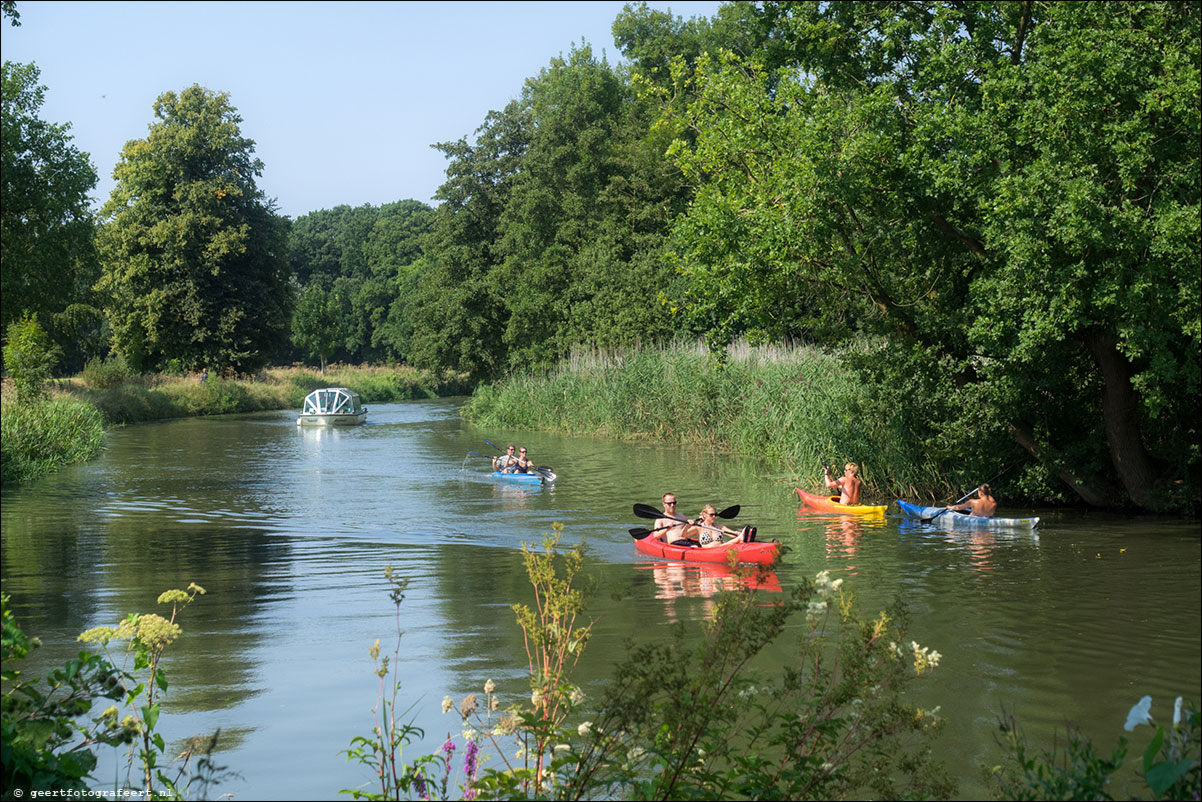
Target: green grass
{"x": 796, "y": 406}
{"x": 42, "y": 435}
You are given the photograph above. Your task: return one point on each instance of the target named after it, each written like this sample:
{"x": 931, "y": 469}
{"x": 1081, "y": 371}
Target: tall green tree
{"x": 1009, "y": 191}
{"x": 459, "y": 317}
{"x": 194, "y": 255}
{"x": 48, "y": 260}
{"x": 319, "y": 323}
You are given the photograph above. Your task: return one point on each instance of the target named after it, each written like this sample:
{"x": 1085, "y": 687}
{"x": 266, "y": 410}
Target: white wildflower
{"x": 490, "y": 686}
{"x": 1177, "y": 712}
{"x": 585, "y": 728}
{"x": 447, "y": 704}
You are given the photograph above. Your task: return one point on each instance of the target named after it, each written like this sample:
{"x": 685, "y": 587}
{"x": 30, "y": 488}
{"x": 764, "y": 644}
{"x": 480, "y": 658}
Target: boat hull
{"x": 754, "y": 552}
{"x": 958, "y": 520}
{"x": 520, "y": 478}
{"x": 831, "y": 504}
{"x": 346, "y": 419}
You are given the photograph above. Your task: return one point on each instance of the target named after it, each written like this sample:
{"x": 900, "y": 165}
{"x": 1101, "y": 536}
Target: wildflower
{"x": 100, "y": 635}
{"x": 536, "y": 698}
{"x": 448, "y": 748}
{"x": 1177, "y": 712}
{"x": 825, "y": 586}
{"x": 561, "y": 747}
{"x": 577, "y": 696}
{"x": 156, "y": 631}
{"x": 490, "y": 686}
{"x": 419, "y": 782}
{"x": 467, "y": 705}
{"x": 447, "y": 704}
{"x": 1139, "y": 714}
{"x": 636, "y": 753}
{"x": 196, "y": 589}
{"x": 585, "y": 728}
{"x": 375, "y": 650}
{"x": 172, "y": 597}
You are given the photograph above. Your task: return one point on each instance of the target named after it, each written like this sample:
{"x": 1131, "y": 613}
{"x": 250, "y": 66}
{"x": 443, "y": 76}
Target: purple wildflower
{"x": 469, "y": 768}
{"x": 449, "y": 748}
{"x": 419, "y": 782}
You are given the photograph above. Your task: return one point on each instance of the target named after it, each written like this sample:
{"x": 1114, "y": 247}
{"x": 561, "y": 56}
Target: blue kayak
{"x": 524, "y": 478}
{"x": 952, "y": 519}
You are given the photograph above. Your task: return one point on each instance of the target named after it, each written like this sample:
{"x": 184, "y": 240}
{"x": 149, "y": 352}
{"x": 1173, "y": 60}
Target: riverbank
{"x": 67, "y": 426}
{"x": 795, "y": 406}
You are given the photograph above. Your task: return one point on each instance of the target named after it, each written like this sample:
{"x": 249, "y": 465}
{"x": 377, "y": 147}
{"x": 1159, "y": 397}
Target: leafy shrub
{"x": 111, "y": 371}
{"x": 29, "y": 356}
{"x": 41, "y": 435}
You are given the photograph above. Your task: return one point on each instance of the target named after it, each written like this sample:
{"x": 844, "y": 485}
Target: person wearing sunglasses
{"x": 507, "y": 462}
{"x": 668, "y": 529}
{"x": 708, "y": 532}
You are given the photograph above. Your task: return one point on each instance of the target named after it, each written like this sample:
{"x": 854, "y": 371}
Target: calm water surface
{"x": 290, "y": 530}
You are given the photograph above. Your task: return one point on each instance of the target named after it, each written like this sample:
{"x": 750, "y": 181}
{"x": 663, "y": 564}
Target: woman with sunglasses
{"x": 708, "y": 533}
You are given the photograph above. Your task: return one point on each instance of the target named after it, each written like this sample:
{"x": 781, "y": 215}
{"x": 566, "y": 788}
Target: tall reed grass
{"x": 795, "y": 405}
{"x": 39, "y": 436}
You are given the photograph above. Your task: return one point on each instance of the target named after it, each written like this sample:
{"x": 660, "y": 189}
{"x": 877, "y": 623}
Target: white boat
{"x": 332, "y": 406}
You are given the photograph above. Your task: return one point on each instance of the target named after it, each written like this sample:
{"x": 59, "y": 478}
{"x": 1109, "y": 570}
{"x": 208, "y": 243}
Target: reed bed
{"x": 795, "y": 405}
{"x": 39, "y": 436}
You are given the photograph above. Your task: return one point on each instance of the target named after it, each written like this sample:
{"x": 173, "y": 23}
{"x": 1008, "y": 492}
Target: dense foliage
{"x": 48, "y": 260}
{"x": 194, "y": 257}
{"x": 1008, "y": 191}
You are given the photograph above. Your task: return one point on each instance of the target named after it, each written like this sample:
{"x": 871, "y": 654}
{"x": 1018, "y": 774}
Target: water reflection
{"x": 843, "y": 532}
{"x": 677, "y": 580}
{"x": 983, "y": 548}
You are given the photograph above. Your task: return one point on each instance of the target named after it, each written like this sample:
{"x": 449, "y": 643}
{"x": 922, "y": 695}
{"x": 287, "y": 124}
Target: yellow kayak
{"x": 831, "y": 504}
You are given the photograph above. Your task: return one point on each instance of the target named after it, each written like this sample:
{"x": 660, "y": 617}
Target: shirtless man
{"x": 849, "y": 484}
{"x": 507, "y": 462}
{"x": 669, "y": 529}
{"x": 984, "y": 505}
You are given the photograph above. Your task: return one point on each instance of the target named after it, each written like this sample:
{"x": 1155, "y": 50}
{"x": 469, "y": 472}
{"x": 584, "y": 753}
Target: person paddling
{"x": 984, "y": 505}
{"x": 671, "y": 530}
{"x": 507, "y": 462}
{"x": 849, "y": 483}
{"x": 523, "y": 464}
{"x": 709, "y": 534}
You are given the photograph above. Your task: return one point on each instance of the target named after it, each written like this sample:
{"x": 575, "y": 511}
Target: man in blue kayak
{"x": 507, "y": 462}
{"x": 984, "y": 505}
{"x": 849, "y": 483}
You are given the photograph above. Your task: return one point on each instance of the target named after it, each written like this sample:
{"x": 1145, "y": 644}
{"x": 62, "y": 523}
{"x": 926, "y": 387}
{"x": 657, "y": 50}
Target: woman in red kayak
{"x": 709, "y": 534}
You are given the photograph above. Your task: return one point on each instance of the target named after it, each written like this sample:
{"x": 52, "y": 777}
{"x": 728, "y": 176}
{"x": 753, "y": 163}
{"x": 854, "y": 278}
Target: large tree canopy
{"x": 45, "y": 220}
{"x": 194, "y": 256}
{"x": 1009, "y": 191}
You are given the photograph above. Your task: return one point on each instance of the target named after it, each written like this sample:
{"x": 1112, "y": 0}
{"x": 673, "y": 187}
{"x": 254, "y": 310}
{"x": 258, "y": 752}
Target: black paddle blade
{"x": 639, "y": 534}
{"x": 730, "y": 512}
{"x": 494, "y": 445}
{"x": 643, "y": 511}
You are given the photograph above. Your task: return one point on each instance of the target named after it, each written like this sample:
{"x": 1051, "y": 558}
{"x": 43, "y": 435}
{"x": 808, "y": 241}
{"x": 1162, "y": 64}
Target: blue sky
{"x": 343, "y": 100}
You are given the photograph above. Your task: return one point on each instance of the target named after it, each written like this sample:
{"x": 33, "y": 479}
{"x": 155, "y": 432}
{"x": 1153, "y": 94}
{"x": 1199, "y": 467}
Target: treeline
{"x": 1002, "y": 197}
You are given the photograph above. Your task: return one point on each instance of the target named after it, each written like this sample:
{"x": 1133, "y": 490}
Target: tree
{"x": 319, "y": 323}
{"x": 194, "y": 256}
{"x": 462, "y": 318}
{"x": 46, "y": 223}
{"x": 1008, "y": 191}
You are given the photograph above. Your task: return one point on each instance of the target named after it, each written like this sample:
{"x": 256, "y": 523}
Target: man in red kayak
{"x": 849, "y": 484}
{"x": 670, "y": 530}
{"x": 984, "y": 505}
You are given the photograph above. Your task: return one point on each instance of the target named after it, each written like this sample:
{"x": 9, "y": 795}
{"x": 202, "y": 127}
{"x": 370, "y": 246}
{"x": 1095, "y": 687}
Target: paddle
{"x": 645, "y": 511}
{"x": 966, "y": 495}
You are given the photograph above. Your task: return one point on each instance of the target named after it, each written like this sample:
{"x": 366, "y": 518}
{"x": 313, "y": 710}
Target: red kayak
{"x": 753, "y": 552}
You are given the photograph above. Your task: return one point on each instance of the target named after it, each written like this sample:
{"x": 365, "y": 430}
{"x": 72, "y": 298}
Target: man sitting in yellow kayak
{"x": 849, "y": 484}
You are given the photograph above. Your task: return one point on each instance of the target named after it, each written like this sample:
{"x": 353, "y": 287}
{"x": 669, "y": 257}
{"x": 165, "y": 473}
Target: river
{"x": 289, "y": 530}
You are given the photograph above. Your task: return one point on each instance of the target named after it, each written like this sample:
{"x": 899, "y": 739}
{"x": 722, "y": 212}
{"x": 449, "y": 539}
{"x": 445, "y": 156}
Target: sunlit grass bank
{"x": 40, "y": 437}
{"x": 794, "y": 405}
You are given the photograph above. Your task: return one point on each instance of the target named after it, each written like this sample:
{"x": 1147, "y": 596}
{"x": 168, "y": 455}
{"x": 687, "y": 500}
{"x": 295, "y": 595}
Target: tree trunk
{"x": 1121, "y": 418}
{"x": 1095, "y": 493}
